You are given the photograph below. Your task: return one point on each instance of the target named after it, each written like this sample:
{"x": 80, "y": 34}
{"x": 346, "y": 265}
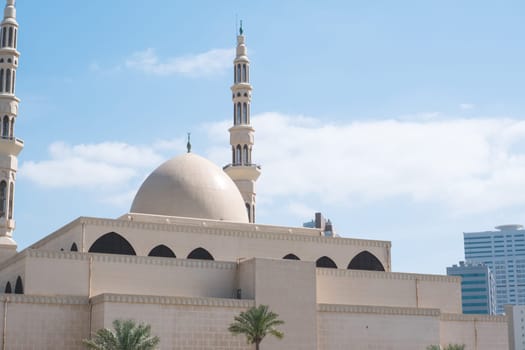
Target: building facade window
{"x": 3, "y": 198}
{"x": 162, "y": 251}
{"x": 11, "y": 195}
{"x": 5, "y": 127}
{"x": 325, "y": 262}
{"x": 200, "y": 254}
{"x": 366, "y": 261}
{"x": 112, "y": 243}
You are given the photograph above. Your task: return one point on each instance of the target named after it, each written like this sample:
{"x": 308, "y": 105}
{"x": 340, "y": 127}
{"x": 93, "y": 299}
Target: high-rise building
{"x": 503, "y": 251}
{"x": 478, "y": 288}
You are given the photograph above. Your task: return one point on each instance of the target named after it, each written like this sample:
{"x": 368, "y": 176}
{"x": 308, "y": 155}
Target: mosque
{"x": 189, "y": 256}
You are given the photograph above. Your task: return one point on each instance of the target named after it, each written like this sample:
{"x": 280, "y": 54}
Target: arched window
{"x": 366, "y": 261}
{"x": 238, "y": 72}
{"x": 19, "y": 287}
{"x": 10, "y": 37}
{"x": 248, "y": 210}
{"x": 238, "y": 158}
{"x": 248, "y": 113}
{"x": 162, "y": 251}
{"x": 8, "y": 80}
{"x": 2, "y": 80}
{"x": 3, "y": 198}
{"x": 74, "y": 247}
{"x": 234, "y": 74}
{"x": 5, "y": 127}
{"x": 10, "y": 206}
{"x": 244, "y": 113}
{"x": 13, "y": 83}
{"x": 201, "y": 254}
{"x": 4, "y": 35}
{"x": 112, "y": 243}
{"x": 245, "y": 155}
{"x": 7, "y": 289}
{"x": 12, "y": 128}
{"x": 244, "y": 73}
{"x": 325, "y": 262}
{"x": 238, "y": 113}
{"x": 291, "y": 257}
{"x": 15, "y": 40}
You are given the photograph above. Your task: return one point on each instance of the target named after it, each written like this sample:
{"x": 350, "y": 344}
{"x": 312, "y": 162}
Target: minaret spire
{"x": 243, "y": 171}
{"x": 10, "y": 146}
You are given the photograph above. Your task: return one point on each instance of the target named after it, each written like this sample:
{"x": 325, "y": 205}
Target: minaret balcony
{"x": 10, "y": 145}
{"x": 242, "y": 85}
{"x": 245, "y": 164}
{"x": 248, "y": 171}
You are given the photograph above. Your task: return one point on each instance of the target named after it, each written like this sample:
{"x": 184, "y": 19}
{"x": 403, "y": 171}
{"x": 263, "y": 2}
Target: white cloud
{"x": 106, "y": 164}
{"x": 466, "y": 106}
{"x": 467, "y": 164}
{"x": 203, "y": 64}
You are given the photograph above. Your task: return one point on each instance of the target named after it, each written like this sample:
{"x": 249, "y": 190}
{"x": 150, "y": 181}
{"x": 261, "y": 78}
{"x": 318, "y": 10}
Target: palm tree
{"x": 448, "y": 347}
{"x": 126, "y": 336}
{"x": 256, "y": 323}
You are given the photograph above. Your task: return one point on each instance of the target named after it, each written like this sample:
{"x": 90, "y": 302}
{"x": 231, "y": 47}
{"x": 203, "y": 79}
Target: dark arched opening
{"x": 5, "y": 127}
{"x": 248, "y": 207}
{"x": 74, "y": 247}
{"x": 326, "y": 262}
{"x": 162, "y": 251}
{"x": 3, "y": 198}
{"x": 112, "y": 243}
{"x": 291, "y": 257}
{"x": 8, "y": 288}
{"x": 19, "y": 287}
{"x": 201, "y": 254}
{"x": 366, "y": 261}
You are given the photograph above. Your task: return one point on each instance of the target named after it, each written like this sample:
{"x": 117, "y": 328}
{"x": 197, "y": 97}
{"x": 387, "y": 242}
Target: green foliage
{"x": 256, "y": 323}
{"x": 126, "y": 336}
{"x": 448, "y": 347}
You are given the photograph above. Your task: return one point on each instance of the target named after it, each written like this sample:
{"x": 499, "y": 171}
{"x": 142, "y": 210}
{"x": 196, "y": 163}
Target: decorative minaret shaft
{"x": 10, "y": 146}
{"x": 242, "y": 170}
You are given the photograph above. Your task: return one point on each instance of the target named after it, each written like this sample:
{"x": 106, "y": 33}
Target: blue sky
{"x": 401, "y": 121}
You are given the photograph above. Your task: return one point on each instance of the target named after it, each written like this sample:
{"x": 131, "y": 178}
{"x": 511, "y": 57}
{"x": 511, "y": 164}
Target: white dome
{"x": 190, "y": 186}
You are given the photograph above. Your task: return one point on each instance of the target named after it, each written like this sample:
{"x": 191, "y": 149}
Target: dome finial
{"x": 188, "y": 145}
{"x": 240, "y": 29}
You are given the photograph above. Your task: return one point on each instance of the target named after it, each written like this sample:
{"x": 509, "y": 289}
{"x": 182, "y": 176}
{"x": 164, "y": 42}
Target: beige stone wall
{"x": 388, "y": 288}
{"x": 44, "y": 323}
{"x": 288, "y": 287}
{"x": 233, "y": 241}
{"x": 162, "y": 276}
{"x": 477, "y": 332}
{"x": 10, "y": 270}
{"x": 181, "y": 323}
{"x": 83, "y": 274}
{"x": 56, "y": 273}
{"x": 378, "y": 328}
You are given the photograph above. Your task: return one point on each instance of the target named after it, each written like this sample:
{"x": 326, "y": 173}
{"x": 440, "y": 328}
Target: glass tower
{"x": 503, "y": 251}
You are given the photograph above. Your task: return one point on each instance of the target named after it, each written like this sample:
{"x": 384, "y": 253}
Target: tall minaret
{"x": 10, "y": 146}
{"x": 243, "y": 171}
